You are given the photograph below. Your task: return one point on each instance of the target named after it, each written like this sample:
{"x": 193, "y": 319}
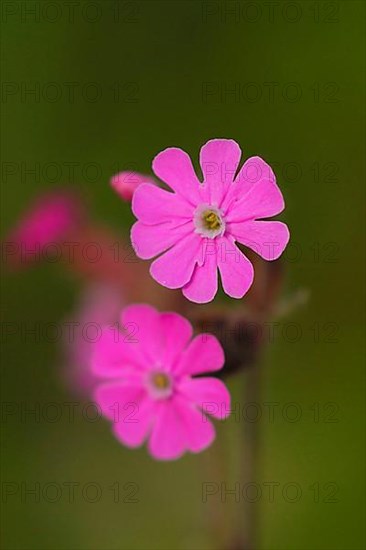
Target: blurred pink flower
{"x": 196, "y": 227}
{"x": 50, "y": 218}
{"x": 153, "y": 393}
{"x": 125, "y": 183}
{"x": 99, "y": 305}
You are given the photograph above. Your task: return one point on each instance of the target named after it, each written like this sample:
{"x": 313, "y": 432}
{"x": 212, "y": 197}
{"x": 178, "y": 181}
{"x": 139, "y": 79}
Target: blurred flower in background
{"x": 51, "y": 218}
{"x": 98, "y": 305}
{"x": 151, "y": 390}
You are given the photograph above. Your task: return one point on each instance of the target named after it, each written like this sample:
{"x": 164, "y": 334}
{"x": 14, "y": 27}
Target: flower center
{"x": 160, "y": 380}
{"x": 208, "y": 221}
{"x": 211, "y": 220}
{"x": 160, "y": 385}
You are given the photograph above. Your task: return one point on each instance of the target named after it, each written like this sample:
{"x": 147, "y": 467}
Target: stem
{"x": 266, "y": 288}
{"x": 247, "y": 537}
{"x": 215, "y": 471}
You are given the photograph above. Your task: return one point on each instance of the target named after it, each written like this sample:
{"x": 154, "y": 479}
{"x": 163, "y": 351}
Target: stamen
{"x": 159, "y": 385}
{"x": 160, "y": 380}
{"x": 209, "y": 221}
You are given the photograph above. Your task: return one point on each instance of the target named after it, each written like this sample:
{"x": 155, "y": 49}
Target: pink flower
{"x": 195, "y": 228}
{"x": 153, "y": 393}
{"x": 125, "y": 183}
{"x": 50, "y": 219}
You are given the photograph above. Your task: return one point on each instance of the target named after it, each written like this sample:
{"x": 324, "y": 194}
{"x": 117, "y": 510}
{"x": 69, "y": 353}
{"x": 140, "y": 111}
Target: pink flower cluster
{"x": 153, "y": 389}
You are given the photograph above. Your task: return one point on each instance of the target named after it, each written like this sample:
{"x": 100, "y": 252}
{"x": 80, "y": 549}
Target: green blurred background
{"x": 162, "y": 57}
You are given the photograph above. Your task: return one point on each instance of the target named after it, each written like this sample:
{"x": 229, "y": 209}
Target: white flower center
{"x": 209, "y": 221}
{"x": 159, "y": 384}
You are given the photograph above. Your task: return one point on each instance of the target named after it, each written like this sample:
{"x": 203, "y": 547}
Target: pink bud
{"x": 125, "y": 183}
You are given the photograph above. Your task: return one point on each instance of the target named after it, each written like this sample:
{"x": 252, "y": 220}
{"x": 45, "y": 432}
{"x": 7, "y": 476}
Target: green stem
{"x": 247, "y": 537}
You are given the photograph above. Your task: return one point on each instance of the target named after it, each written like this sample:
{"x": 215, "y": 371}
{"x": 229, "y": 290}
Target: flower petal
{"x": 136, "y": 425}
{"x": 266, "y": 238}
{"x": 150, "y": 240}
{"x": 253, "y": 170}
{"x": 168, "y": 437}
{"x": 199, "y": 430}
{"x": 113, "y": 354}
{"x": 174, "y": 167}
{"x": 141, "y": 323}
{"x": 219, "y": 159}
{"x": 235, "y": 269}
{"x": 177, "y": 332}
{"x": 174, "y": 268}
{"x": 203, "y": 285}
{"x": 210, "y": 394}
{"x": 153, "y": 205}
{"x": 118, "y": 400}
{"x": 204, "y": 354}
{"x": 263, "y": 200}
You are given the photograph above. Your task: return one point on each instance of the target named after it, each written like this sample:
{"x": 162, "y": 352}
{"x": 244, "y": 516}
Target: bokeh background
{"x": 285, "y": 80}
